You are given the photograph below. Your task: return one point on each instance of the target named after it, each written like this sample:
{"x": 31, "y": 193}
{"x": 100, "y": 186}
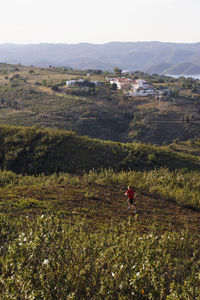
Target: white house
{"x": 122, "y": 82}
{"x": 141, "y": 88}
{"x": 138, "y": 87}
{"x": 74, "y": 81}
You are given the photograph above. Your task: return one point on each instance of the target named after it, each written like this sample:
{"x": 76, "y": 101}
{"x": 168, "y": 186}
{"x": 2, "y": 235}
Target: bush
{"x": 49, "y": 258}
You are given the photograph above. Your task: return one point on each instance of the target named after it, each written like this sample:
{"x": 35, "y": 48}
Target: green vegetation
{"x": 180, "y": 186}
{"x": 92, "y": 247}
{"x": 35, "y": 151}
{"x": 65, "y": 230}
{"x": 50, "y": 258}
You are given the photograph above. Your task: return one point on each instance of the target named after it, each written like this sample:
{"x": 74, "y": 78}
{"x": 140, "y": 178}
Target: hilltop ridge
{"x": 143, "y": 56}
{"x": 34, "y": 151}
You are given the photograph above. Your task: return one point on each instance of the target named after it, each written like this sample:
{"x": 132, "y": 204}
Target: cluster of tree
{"x": 187, "y": 83}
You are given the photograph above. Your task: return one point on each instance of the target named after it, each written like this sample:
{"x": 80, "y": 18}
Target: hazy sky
{"x": 75, "y": 21}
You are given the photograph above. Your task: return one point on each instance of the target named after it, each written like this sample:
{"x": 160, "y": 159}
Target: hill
{"x": 70, "y": 235}
{"x": 141, "y": 56}
{"x": 66, "y": 236}
{"x": 38, "y": 96}
{"x": 36, "y": 151}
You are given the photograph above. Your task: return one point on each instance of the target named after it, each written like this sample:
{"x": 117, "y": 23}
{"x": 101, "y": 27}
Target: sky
{"x": 102, "y": 21}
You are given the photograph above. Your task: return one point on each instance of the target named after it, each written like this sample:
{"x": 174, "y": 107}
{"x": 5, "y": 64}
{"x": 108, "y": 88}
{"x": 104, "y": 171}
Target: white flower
{"x": 120, "y": 286}
{"x": 134, "y": 267}
{"x": 113, "y": 274}
{"x": 121, "y": 267}
{"x": 24, "y": 240}
{"x": 138, "y": 274}
{"x": 45, "y": 262}
{"x": 42, "y": 216}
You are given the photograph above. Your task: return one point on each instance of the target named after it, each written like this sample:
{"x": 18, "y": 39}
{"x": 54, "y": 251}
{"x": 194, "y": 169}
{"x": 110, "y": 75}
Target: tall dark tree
{"x": 117, "y": 71}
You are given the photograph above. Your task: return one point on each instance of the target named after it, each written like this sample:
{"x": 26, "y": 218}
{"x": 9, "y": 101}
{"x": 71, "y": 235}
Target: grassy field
{"x": 65, "y": 236}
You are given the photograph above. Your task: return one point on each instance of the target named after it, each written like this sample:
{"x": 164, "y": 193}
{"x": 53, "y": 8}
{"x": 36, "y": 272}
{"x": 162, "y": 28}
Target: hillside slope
{"x": 101, "y": 203}
{"x": 39, "y": 97}
{"x": 69, "y": 239}
{"x": 33, "y": 151}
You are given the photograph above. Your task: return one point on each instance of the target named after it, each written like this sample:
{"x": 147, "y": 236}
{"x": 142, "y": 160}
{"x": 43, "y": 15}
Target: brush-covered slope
{"x": 33, "y": 151}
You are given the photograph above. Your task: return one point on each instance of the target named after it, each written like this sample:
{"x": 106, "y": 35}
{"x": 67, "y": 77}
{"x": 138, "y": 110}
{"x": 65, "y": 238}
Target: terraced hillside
{"x": 34, "y": 96}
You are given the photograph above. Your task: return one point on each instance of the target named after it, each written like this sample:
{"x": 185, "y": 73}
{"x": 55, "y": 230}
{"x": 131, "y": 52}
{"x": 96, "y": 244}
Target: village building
{"x": 74, "y": 81}
{"x": 136, "y": 87}
{"x": 141, "y": 88}
{"x": 122, "y": 83}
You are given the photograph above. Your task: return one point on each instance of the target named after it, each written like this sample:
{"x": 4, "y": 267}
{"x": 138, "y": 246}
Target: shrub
{"x": 49, "y": 258}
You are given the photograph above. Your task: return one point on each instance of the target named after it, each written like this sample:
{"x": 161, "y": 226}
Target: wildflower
{"x": 134, "y": 267}
{"x": 121, "y": 267}
{"x": 142, "y": 291}
{"x": 45, "y": 262}
{"x": 120, "y": 286}
{"x": 42, "y": 216}
{"x": 138, "y": 274}
{"x": 113, "y": 274}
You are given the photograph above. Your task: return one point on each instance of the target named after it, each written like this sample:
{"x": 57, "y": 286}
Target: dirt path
{"x": 106, "y": 204}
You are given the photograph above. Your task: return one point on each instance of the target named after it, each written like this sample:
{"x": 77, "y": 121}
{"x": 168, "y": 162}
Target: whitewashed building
{"x": 136, "y": 87}
{"x": 74, "y": 81}
{"x": 141, "y": 88}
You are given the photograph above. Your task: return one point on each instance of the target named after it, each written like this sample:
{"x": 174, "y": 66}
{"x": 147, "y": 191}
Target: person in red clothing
{"x": 131, "y": 196}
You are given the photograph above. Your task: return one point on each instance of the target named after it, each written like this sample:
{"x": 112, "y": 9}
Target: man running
{"x": 131, "y": 196}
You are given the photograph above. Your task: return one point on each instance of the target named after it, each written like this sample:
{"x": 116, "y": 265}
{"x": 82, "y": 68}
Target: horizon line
{"x": 91, "y": 43}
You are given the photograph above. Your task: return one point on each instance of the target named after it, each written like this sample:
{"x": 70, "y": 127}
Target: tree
{"x": 113, "y": 86}
{"x": 55, "y": 87}
{"x": 117, "y": 71}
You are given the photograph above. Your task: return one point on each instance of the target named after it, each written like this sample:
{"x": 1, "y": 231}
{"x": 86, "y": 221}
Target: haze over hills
{"x": 152, "y": 57}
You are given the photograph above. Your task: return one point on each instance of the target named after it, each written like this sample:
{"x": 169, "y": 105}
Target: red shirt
{"x": 130, "y": 193}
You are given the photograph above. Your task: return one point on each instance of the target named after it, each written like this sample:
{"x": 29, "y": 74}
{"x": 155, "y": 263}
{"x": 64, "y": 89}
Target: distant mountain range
{"x": 152, "y": 57}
